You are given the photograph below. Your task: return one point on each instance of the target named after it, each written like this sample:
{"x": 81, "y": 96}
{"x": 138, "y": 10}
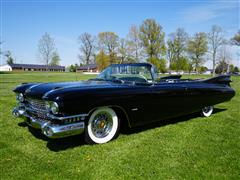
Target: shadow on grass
{"x": 66, "y": 143}
{"x": 56, "y": 144}
{"x": 62, "y": 144}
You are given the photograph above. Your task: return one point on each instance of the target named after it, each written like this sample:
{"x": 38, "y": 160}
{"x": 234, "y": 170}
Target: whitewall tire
{"x": 207, "y": 111}
{"x": 102, "y": 126}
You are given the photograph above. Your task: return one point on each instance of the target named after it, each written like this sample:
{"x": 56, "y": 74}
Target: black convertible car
{"x": 122, "y": 93}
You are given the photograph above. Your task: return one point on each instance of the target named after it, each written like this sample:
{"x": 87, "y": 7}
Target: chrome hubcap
{"x": 102, "y": 124}
{"x": 207, "y": 109}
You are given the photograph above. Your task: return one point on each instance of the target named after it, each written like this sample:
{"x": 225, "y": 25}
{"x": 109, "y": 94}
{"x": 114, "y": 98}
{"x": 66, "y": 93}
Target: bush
{"x": 221, "y": 68}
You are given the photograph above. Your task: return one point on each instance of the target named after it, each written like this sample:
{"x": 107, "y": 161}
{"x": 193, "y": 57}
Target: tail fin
{"x": 222, "y": 79}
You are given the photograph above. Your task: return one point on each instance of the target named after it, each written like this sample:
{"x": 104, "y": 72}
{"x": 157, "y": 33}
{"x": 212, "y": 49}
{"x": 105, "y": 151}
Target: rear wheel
{"x": 102, "y": 127}
{"x": 207, "y": 111}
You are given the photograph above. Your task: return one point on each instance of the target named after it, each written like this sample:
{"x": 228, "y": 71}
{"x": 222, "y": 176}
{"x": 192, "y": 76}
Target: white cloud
{"x": 208, "y": 12}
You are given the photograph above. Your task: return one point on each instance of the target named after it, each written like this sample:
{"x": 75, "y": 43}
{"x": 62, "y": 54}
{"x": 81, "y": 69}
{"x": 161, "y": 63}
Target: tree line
{"x": 147, "y": 43}
{"x": 177, "y": 51}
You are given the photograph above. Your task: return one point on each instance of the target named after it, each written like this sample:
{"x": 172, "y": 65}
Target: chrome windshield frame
{"x": 148, "y": 66}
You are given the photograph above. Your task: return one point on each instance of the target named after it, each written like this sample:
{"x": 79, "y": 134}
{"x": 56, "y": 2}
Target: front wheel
{"x": 103, "y": 126}
{"x": 207, "y": 111}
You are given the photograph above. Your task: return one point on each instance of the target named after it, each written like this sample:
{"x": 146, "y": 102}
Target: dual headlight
{"x": 52, "y": 106}
{"x": 20, "y": 97}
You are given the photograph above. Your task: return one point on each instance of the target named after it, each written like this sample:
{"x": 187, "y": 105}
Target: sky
{"x": 23, "y": 22}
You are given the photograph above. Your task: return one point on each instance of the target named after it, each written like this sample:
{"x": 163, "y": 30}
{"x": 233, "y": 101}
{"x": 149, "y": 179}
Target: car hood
{"x": 41, "y": 89}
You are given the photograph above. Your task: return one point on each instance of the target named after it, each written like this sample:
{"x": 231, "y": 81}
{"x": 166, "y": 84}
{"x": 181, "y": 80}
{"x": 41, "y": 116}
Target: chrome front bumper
{"x": 48, "y": 129}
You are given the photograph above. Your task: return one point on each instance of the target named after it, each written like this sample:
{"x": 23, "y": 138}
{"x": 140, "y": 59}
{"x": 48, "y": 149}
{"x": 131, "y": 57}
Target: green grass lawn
{"x": 189, "y": 147}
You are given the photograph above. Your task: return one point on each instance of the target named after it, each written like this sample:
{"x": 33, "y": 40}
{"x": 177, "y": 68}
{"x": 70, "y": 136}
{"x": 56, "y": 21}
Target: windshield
{"x": 136, "y": 73}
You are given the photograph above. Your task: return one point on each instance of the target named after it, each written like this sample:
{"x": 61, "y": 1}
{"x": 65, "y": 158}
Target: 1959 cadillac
{"x": 122, "y": 93}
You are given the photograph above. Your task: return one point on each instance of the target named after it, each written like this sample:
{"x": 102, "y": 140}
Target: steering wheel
{"x": 117, "y": 79}
{"x": 143, "y": 77}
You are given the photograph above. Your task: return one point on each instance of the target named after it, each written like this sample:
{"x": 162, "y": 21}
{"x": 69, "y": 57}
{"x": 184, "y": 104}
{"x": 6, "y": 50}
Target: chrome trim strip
{"x": 66, "y": 117}
{"x": 47, "y": 93}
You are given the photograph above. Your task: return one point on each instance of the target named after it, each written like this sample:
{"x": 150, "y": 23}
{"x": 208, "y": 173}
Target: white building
{"x": 5, "y": 67}
{"x": 209, "y": 71}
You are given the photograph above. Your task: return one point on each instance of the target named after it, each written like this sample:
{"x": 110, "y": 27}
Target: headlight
{"x": 20, "y": 97}
{"x": 52, "y": 106}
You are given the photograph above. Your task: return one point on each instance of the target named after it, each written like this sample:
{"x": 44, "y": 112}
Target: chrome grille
{"x": 37, "y": 104}
{"x": 40, "y": 116}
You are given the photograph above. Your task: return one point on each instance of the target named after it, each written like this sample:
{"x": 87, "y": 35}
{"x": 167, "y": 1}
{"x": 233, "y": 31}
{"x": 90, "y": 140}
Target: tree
{"x": 222, "y": 67}
{"x": 202, "y": 69}
{"x": 236, "y": 39}
{"x": 231, "y": 68}
{"x": 108, "y": 42}
{"x": 73, "y": 68}
{"x": 197, "y": 48}
{"x": 159, "y": 63}
{"x": 189, "y": 67}
{"x": 171, "y": 54}
{"x": 235, "y": 70}
{"x": 123, "y": 50}
{"x": 7, "y": 54}
{"x": 162, "y": 65}
{"x": 182, "y": 64}
{"x": 134, "y": 44}
{"x": 55, "y": 59}
{"x": 102, "y": 60}
{"x": 46, "y": 47}
{"x": 87, "y": 47}
{"x": 215, "y": 40}
{"x": 152, "y": 38}
{"x": 9, "y": 57}
{"x": 224, "y": 55}
{"x": 177, "y": 44}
